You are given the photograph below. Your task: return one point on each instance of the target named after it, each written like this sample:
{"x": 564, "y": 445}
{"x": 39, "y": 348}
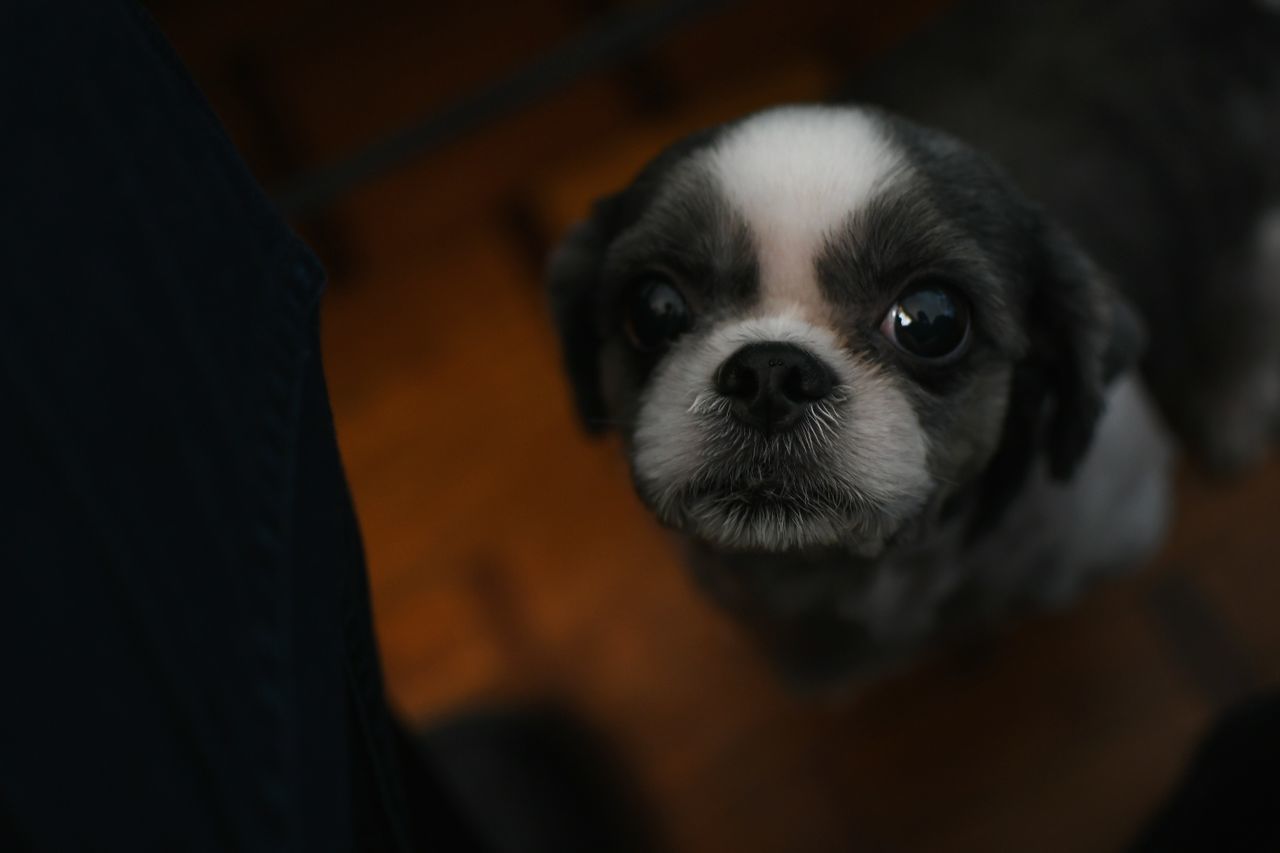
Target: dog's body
{"x": 881, "y": 391}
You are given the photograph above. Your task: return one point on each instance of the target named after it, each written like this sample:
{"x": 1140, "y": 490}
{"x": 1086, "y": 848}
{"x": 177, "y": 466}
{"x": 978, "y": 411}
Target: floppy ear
{"x": 1084, "y": 334}
{"x": 573, "y": 278}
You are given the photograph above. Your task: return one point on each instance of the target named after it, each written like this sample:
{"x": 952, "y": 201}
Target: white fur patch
{"x": 795, "y": 174}
{"x": 875, "y": 449}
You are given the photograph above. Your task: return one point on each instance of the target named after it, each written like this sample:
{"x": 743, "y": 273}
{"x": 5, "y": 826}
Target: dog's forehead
{"x": 801, "y": 171}
{"x": 794, "y": 176}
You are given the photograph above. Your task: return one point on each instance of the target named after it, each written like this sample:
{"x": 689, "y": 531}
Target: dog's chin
{"x": 777, "y": 516}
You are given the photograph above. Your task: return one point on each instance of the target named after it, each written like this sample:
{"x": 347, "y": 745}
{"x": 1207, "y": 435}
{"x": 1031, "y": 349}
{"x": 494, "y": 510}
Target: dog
{"x": 896, "y": 366}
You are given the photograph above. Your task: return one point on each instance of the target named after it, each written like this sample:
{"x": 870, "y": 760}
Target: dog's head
{"x": 825, "y": 326}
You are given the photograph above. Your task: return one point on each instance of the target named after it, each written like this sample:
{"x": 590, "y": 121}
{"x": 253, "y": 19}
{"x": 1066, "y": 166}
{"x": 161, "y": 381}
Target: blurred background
{"x": 432, "y": 154}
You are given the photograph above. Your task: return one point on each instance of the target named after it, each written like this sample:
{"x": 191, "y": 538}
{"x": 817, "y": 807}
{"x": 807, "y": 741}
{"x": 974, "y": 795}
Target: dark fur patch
{"x": 584, "y": 304}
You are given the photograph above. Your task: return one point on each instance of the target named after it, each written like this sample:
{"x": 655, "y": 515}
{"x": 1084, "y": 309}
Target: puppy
{"x": 887, "y": 389}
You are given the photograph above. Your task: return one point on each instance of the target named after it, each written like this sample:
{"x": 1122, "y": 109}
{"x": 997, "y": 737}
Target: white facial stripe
{"x": 795, "y": 174}
{"x": 877, "y": 447}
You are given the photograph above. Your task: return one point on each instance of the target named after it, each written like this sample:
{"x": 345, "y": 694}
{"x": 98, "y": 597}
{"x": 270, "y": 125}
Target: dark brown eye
{"x": 656, "y": 314}
{"x": 929, "y": 321}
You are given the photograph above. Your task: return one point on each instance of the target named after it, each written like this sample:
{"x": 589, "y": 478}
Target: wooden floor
{"x": 507, "y": 554}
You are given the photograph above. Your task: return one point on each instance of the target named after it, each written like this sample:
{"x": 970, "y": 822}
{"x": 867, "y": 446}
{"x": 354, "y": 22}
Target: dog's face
{"x": 823, "y": 326}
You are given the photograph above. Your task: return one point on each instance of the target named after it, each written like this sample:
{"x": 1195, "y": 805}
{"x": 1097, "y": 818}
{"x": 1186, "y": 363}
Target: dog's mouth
{"x": 755, "y": 496}
{"x": 773, "y": 514}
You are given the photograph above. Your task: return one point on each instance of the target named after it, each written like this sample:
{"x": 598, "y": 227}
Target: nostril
{"x": 737, "y": 380}
{"x": 806, "y": 382}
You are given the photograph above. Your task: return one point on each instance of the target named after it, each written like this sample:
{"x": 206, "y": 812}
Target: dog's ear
{"x": 573, "y": 283}
{"x": 1083, "y": 335}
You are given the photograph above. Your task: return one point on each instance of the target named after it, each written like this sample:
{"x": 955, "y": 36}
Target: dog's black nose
{"x": 771, "y": 384}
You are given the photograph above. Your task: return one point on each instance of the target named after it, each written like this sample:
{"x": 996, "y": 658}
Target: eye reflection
{"x": 656, "y": 314}
{"x": 929, "y": 321}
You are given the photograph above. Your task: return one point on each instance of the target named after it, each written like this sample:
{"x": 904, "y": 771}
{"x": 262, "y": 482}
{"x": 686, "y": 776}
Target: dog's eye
{"x": 656, "y": 314}
{"x": 929, "y": 321}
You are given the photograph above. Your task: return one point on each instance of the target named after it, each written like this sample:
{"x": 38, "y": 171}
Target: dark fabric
{"x": 186, "y": 651}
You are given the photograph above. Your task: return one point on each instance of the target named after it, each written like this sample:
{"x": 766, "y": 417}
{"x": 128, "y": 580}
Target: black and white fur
{"x": 1140, "y": 166}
